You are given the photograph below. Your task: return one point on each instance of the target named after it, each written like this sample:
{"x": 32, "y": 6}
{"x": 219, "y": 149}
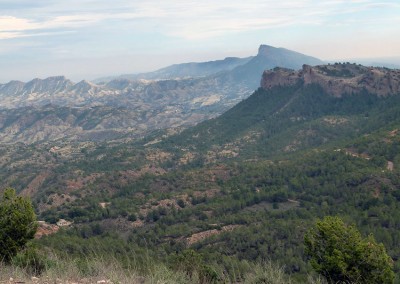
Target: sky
{"x": 87, "y": 39}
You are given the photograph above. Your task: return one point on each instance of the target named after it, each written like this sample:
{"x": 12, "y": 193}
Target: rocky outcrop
{"x": 279, "y": 77}
{"x": 338, "y": 79}
{"x": 45, "y": 229}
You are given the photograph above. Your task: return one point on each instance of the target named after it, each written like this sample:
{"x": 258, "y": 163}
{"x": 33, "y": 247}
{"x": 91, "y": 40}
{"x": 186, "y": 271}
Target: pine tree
{"x": 340, "y": 254}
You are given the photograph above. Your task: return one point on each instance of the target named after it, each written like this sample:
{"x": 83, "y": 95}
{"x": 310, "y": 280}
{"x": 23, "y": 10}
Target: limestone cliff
{"x": 338, "y": 79}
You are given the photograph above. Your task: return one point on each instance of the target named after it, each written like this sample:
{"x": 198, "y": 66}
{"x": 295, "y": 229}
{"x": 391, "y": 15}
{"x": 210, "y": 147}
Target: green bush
{"x": 192, "y": 263}
{"x": 17, "y": 224}
{"x": 340, "y": 254}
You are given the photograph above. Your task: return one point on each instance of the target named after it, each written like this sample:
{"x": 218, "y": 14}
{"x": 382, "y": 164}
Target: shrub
{"x": 31, "y": 261}
{"x": 17, "y": 224}
{"x": 192, "y": 263}
{"x": 340, "y": 254}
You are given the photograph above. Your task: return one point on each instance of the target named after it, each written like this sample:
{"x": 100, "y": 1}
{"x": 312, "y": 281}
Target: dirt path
{"x": 206, "y": 234}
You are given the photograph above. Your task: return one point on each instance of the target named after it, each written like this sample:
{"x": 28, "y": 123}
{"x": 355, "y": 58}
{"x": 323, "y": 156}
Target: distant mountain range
{"x": 244, "y": 70}
{"x": 185, "y": 70}
{"x": 178, "y": 95}
{"x": 268, "y": 57}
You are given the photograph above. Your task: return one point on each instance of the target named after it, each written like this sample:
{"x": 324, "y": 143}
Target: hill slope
{"x": 299, "y": 109}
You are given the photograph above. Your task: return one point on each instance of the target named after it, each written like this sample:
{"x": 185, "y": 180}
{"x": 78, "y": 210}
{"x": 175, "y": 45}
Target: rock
{"x": 338, "y": 79}
{"x": 45, "y": 229}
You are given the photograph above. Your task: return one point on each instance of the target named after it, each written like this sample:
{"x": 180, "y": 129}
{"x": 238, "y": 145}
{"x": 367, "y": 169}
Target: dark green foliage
{"x": 181, "y": 203}
{"x": 132, "y": 217}
{"x": 256, "y": 196}
{"x": 340, "y": 254}
{"x": 17, "y": 223}
{"x": 274, "y": 119}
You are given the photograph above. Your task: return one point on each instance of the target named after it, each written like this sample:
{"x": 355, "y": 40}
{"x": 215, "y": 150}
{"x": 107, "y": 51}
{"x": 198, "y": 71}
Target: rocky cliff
{"x": 338, "y": 79}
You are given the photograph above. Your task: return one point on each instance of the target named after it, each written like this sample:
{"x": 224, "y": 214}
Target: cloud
{"x": 188, "y": 19}
{"x": 10, "y": 23}
{"x": 106, "y": 27}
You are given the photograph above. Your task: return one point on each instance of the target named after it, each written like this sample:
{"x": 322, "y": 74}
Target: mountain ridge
{"x": 338, "y": 79}
{"x": 148, "y": 104}
{"x": 269, "y": 57}
{"x": 306, "y": 107}
{"x": 184, "y": 70}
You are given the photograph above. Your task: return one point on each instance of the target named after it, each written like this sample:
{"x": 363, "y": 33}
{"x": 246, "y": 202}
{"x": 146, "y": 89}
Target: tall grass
{"x": 90, "y": 270}
{"x": 101, "y": 265}
{"x": 102, "y": 270}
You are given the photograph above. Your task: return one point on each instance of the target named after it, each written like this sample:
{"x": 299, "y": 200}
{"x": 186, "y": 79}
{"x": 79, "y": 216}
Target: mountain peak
{"x": 269, "y": 57}
{"x": 264, "y": 48}
{"x": 85, "y": 83}
{"x": 56, "y": 78}
{"x": 48, "y": 85}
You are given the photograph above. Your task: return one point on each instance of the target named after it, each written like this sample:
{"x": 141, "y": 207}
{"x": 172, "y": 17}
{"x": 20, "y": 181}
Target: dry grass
{"x": 90, "y": 270}
{"x": 98, "y": 270}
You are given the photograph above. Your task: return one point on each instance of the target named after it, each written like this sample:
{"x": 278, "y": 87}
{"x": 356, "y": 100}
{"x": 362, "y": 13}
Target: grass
{"x": 100, "y": 270}
{"x": 44, "y": 266}
{"x": 90, "y": 271}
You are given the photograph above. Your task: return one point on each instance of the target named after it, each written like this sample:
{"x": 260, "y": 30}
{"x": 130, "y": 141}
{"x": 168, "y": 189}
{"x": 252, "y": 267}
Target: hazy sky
{"x": 93, "y": 38}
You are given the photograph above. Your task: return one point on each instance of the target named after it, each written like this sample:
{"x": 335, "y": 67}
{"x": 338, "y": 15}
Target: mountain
{"x": 245, "y": 71}
{"x": 127, "y": 108}
{"x": 150, "y": 102}
{"x": 338, "y": 79}
{"x": 296, "y": 110}
{"x": 269, "y": 57}
{"x": 185, "y": 70}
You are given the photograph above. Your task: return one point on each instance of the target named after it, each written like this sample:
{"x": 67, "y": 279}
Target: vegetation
{"x": 218, "y": 201}
{"x": 17, "y": 224}
{"x": 341, "y": 255}
{"x": 110, "y": 258}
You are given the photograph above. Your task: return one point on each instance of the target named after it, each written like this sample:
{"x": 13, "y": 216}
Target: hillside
{"x": 297, "y": 110}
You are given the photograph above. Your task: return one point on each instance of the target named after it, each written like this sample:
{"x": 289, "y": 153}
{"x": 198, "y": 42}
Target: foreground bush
{"x": 17, "y": 224}
{"x": 341, "y": 255}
